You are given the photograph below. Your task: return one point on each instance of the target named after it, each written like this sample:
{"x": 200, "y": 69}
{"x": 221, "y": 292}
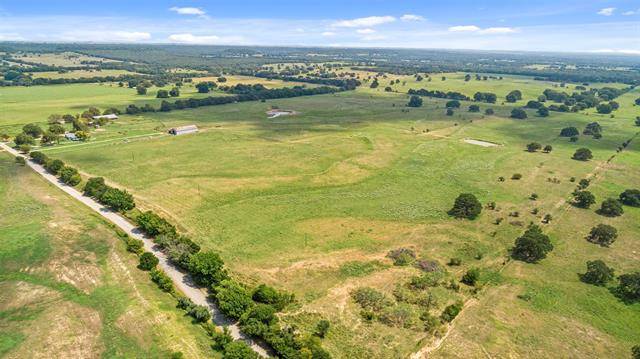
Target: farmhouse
{"x": 183, "y": 130}
{"x": 111, "y": 116}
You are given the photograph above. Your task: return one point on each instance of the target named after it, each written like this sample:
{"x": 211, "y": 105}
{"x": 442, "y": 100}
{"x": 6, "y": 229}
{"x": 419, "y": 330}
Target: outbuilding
{"x": 183, "y": 130}
{"x": 71, "y": 136}
{"x": 111, "y": 116}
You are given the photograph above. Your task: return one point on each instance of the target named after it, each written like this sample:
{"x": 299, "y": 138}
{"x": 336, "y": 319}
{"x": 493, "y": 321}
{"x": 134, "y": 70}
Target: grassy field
{"x": 63, "y": 59}
{"x": 76, "y": 74}
{"x": 233, "y": 80}
{"x": 68, "y": 288}
{"x": 300, "y": 201}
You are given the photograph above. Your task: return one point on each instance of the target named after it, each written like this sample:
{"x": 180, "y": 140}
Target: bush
{"x": 134, "y": 245}
{"x": 239, "y": 350}
{"x": 322, "y": 328}
{"x": 516, "y": 176}
{"x": 630, "y": 197}
{"x": 518, "y": 113}
{"x": 603, "y": 234}
{"x": 629, "y": 287}
{"x": 415, "y": 101}
{"x": 474, "y": 108}
{"x": 582, "y": 154}
{"x": 451, "y": 312}
{"x": 233, "y": 299}
{"x": 70, "y": 176}
{"x": 38, "y": 157}
{"x": 185, "y": 303}
{"x": 611, "y": 207}
{"x": 24, "y": 139}
{"x": 466, "y": 206}
{"x": 20, "y": 160}
{"x": 426, "y": 280}
{"x": 207, "y": 268}
{"x": 635, "y": 352}
{"x": 221, "y": 339}
{"x": 370, "y": 299}
{"x": 455, "y": 262}
{"x": 426, "y": 265}
{"x": 54, "y": 166}
{"x": 402, "y": 256}
{"x": 598, "y": 273}
{"x": 257, "y": 320}
{"x": 401, "y": 315}
{"x": 32, "y": 130}
{"x": 453, "y": 104}
{"x": 449, "y": 112}
{"x": 533, "y": 147}
{"x": 162, "y": 280}
{"x": 268, "y": 295}
{"x": 489, "y": 112}
{"x": 148, "y": 261}
{"x": 471, "y": 277}
{"x": 583, "y": 199}
{"x": 569, "y": 132}
{"x": 154, "y": 225}
{"x": 200, "y": 313}
{"x": 95, "y": 187}
{"x": 547, "y": 149}
{"x": 532, "y": 246}
{"x": 118, "y": 200}
{"x": 162, "y": 94}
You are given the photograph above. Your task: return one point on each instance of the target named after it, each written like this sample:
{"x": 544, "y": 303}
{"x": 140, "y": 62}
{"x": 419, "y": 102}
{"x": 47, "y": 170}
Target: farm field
{"x": 70, "y": 289}
{"x": 233, "y": 80}
{"x": 312, "y": 203}
{"x": 62, "y": 59}
{"x": 75, "y": 74}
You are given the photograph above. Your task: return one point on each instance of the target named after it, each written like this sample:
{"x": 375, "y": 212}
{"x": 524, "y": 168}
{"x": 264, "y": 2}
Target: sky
{"x": 596, "y": 26}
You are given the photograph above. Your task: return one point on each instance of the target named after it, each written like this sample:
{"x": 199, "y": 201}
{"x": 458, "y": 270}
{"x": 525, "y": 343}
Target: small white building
{"x": 111, "y": 116}
{"x": 71, "y": 136}
{"x": 183, "y": 130}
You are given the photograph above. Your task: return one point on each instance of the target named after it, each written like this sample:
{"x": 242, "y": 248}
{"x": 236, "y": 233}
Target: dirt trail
{"x": 181, "y": 279}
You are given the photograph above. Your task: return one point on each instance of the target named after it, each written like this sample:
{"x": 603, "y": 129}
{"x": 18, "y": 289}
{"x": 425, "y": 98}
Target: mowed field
{"x": 69, "y": 289}
{"x": 299, "y": 201}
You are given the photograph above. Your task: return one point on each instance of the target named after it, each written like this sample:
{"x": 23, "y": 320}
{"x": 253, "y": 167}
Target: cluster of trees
{"x": 68, "y": 175}
{"x": 532, "y": 246}
{"x": 582, "y": 154}
{"x": 628, "y": 289}
{"x": 487, "y": 97}
{"x": 114, "y": 198}
{"x": 518, "y": 113}
{"x": 439, "y": 94}
{"x": 535, "y": 146}
{"x": 514, "y": 96}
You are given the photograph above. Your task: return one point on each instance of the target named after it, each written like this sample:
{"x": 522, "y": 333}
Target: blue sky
{"x": 542, "y": 25}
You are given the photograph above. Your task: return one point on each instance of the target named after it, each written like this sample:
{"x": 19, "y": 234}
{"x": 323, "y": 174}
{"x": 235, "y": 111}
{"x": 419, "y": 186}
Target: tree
{"x": 207, "y": 268}
{"x": 582, "y": 154}
{"x": 95, "y": 187}
{"x": 583, "y": 199}
{"x": 162, "y": 94}
{"x": 32, "y": 130}
{"x": 635, "y": 351}
{"x": 449, "y": 112}
{"x": 24, "y": 148}
{"x": 56, "y": 128}
{"x": 466, "y": 206}
{"x": 532, "y": 246}
{"x": 518, "y": 113}
{"x": 471, "y": 277}
{"x": 547, "y": 149}
{"x": 142, "y": 90}
{"x": 269, "y": 295}
{"x": 603, "y": 234}
{"x": 474, "y": 108}
{"x": 374, "y": 83}
{"x": 569, "y": 132}
{"x": 593, "y": 128}
{"x": 533, "y": 147}
{"x": 175, "y": 92}
{"x": 54, "y": 166}
{"x": 38, "y": 157}
{"x": 604, "y": 108}
{"x": 489, "y": 112}
{"x": 543, "y": 112}
{"x": 453, "y": 104}
{"x": 200, "y": 313}
{"x": 534, "y": 104}
{"x": 202, "y": 87}
{"x": 514, "y": 96}
{"x": 222, "y": 79}
{"x": 629, "y": 286}
{"x": 82, "y": 135}
{"x": 154, "y": 225}
{"x": 148, "y": 261}
{"x": 70, "y": 176}
{"x": 451, "y": 312}
{"x": 415, "y": 101}
{"x": 322, "y": 328}
{"x": 233, "y": 299}
{"x": 119, "y": 200}
{"x": 611, "y": 207}
{"x": 48, "y": 138}
{"x": 630, "y": 197}
{"x": 24, "y": 139}
{"x": 598, "y": 273}
{"x": 238, "y": 350}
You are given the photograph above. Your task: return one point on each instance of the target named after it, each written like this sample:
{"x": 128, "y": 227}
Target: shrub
{"x": 200, "y": 313}
{"x": 185, "y": 303}
{"x": 547, "y": 149}
{"x": 154, "y": 225}
{"x": 532, "y": 246}
{"x": 402, "y": 256}
{"x": 474, "y": 108}
{"x": 489, "y": 112}
{"x": 257, "y": 320}
{"x": 134, "y": 245}
{"x": 630, "y": 197}
{"x": 471, "y": 277}
{"x": 453, "y": 104}
{"x": 451, "y": 312}
{"x": 268, "y": 295}
{"x": 70, "y": 176}
{"x": 221, "y": 339}
{"x": 635, "y": 352}
{"x": 32, "y": 130}
{"x": 466, "y": 206}
{"x": 322, "y": 328}
{"x": 428, "y": 265}
{"x": 238, "y": 350}
{"x": 426, "y": 280}
{"x": 370, "y": 299}
{"x": 20, "y": 160}
{"x": 518, "y": 113}
{"x": 583, "y": 199}
{"x": 162, "y": 94}
{"x": 611, "y": 207}
{"x": 148, "y": 261}
{"x": 582, "y": 154}
{"x": 118, "y": 200}
{"x": 543, "y": 112}
{"x": 54, "y": 166}
{"x": 455, "y": 262}
{"x": 533, "y": 147}
{"x": 161, "y": 279}
{"x": 415, "y": 101}
{"x": 449, "y": 112}
{"x": 598, "y": 273}
{"x": 95, "y": 187}
{"x": 603, "y": 234}
{"x": 207, "y": 268}
{"x": 401, "y": 315}
{"x": 233, "y": 299}
{"x": 516, "y": 176}
{"x": 38, "y": 157}
{"x": 24, "y": 139}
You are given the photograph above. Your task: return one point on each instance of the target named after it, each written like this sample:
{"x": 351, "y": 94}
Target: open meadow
{"x": 313, "y": 203}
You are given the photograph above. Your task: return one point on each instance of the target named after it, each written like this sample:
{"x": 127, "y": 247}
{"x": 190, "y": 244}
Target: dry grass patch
{"x": 15, "y": 295}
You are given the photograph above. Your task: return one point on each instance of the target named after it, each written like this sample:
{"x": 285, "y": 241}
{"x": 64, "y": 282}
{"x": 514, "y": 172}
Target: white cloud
{"x": 411, "y": 17}
{"x": 328, "y": 33}
{"x": 607, "y": 11}
{"x": 365, "y": 21}
{"x": 631, "y": 12}
{"x": 464, "y": 28}
{"x": 373, "y": 37}
{"x": 497, "y": 30}
{"x": 188, "y": 10}
{"x": 131, "y": 35}
{"x": 365, "y": 31}
{"x": 618, "y": 51}
{"x": 187, "y": 38}
{"x": 10, "y": 37}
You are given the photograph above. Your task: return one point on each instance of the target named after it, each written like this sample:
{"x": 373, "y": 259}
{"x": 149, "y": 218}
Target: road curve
{"x": 181, "y": 279}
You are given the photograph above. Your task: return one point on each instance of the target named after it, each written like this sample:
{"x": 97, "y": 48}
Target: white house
{"x": 183, "y": 130}
{"x": 71, "y": 136}
{"x": 111, "y": 116}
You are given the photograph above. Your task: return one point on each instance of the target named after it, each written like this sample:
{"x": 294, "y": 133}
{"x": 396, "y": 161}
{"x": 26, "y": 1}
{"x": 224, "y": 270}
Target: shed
{"x": 183, "y": 130}
{"x": 71, "y": 136}
{"x": 111, "y": 116}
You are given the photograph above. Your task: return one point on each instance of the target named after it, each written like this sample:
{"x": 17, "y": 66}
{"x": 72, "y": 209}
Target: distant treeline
{"x": 240, "y": 93}
{"x": 453, "y": 95}
{"x": 27, "y": 81}
{"x": 344, "y": 84}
